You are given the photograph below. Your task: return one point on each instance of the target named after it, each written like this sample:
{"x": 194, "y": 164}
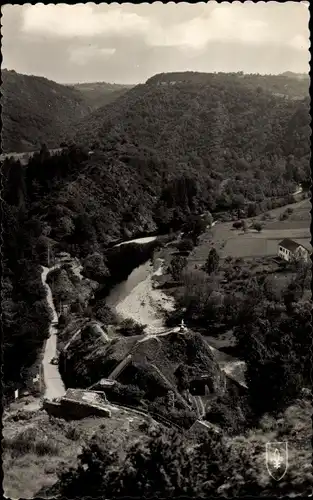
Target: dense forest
{"x": 152, "y": 162}
{"x": 217, "y": 131}
{"x": 288, "y": 84}
{"x": 161, "y": 156}
{"x": 36, "y": 110}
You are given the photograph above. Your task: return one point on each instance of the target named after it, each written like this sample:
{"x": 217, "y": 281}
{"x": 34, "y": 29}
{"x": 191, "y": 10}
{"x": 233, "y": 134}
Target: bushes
{"x": 185, "y": 245}
{"x": 257, "y": 226}
{"x": 72, "y": 432}
{"x": 162, "y": 464}
{"x": 286, "y": 213}
{"x": 129, "y": 327}
{"x": 125, "y": 394}
{"x": 104, "y": 313}
{"x": 28, "y": 441}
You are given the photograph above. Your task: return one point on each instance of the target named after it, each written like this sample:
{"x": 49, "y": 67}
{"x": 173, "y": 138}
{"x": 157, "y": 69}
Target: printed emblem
{"x": 277, "y": 459}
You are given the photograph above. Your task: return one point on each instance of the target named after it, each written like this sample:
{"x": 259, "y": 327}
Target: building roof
{"x": 290, "y": 245}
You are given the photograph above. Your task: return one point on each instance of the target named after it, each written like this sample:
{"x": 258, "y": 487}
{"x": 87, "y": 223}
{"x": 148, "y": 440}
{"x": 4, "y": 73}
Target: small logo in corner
{"x": 277, "y": 459}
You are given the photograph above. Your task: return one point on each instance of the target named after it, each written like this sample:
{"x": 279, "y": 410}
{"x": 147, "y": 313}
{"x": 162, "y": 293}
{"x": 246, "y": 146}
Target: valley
{"x": 143, "y": 281}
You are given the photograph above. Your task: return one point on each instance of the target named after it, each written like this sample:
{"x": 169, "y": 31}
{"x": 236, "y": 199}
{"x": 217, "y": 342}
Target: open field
{"x": 236, "y": 243}
{"x": 289, "y": 224}
{"x": 260, "y": 245}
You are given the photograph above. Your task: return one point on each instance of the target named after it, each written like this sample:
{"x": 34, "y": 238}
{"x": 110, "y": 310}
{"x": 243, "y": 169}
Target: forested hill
{"x": 36, "y": 111}
{"x": 288, "y": 84}
{"x": 99, "y": 94}
{"x": 161, "y": 154}
{"x": 220, "y": 127}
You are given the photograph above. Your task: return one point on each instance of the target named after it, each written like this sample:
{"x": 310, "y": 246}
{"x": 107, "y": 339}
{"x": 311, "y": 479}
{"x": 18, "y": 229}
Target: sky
{"x": 125, "y": 43}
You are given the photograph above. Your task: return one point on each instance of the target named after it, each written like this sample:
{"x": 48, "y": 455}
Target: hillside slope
{"x": 99, "y": 94}
{"x": 36, "y": 110}
{"x": 162, "y": 152}
{"x": 220, "y": 124}
{"x": 288, "y": 84}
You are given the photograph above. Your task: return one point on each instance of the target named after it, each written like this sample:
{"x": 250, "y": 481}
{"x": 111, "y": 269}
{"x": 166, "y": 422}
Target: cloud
{"x": 299, "y": 42}
{"x": 224, "y": 23}
{"x": 81, "y": 21}
{"x": 247, "y": 23}
{"x": 82, "y": 55}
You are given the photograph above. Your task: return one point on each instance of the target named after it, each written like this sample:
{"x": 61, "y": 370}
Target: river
{"x": 138, "y": 299}
{"x": 135, "y": 298}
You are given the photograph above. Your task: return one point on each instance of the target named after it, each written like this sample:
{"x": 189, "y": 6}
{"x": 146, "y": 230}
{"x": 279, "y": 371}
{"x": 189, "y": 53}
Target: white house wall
{"x": 284, "y": 253}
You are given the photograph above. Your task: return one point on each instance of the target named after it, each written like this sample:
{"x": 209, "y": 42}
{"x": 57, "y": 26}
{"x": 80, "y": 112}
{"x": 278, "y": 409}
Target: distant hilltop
{"x": 300, "y": 76}
{"x": 200, "y": 77}
{"x": 288, "y": 84}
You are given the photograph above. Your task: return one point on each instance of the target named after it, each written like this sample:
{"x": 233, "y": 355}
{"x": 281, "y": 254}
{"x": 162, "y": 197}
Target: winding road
{"x": 54, "y": 387}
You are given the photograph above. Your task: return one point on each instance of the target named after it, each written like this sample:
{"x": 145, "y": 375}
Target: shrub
{"x": 284, "y": 215}
{"x": 28, "y": 441}
{"x": 257, "y": 226}
{"x": 72, "y": 432}
{"x": 237, "y": 224}
{"x": 185, "y": 245}
{"x": 130, "y": 327}
{"x": 104, "y": 313}
{"x": 125, "y": 394}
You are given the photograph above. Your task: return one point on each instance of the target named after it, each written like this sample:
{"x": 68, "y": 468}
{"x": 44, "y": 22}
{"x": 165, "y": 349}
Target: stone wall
{"x": 78, "y": 404}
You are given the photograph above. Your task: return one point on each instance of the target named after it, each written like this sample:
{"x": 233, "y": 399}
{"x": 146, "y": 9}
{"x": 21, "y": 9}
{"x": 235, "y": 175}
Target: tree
{"x": 272, "y": 373}
{"x": 195, "y": 226}
{"x": 95, "y": 267}
{"x": 257, "y": 226}
{"x": 252, "y": 210}
{"x": 212, "y": 262}
{"x": 178, "y": 263}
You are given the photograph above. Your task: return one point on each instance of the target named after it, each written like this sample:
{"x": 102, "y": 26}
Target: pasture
{"x": 235, "y": 243}
{"x": 263, "y": 244}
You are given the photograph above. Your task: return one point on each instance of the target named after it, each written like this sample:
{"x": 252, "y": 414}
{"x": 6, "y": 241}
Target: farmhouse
{"x": 288, "y": 249}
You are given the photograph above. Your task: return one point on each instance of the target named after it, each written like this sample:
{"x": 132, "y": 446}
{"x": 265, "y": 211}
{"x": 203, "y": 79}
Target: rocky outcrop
{"x": 153, "y": 360}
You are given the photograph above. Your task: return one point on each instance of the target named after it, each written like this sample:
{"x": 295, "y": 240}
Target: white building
{"x": 288, "y": 249}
